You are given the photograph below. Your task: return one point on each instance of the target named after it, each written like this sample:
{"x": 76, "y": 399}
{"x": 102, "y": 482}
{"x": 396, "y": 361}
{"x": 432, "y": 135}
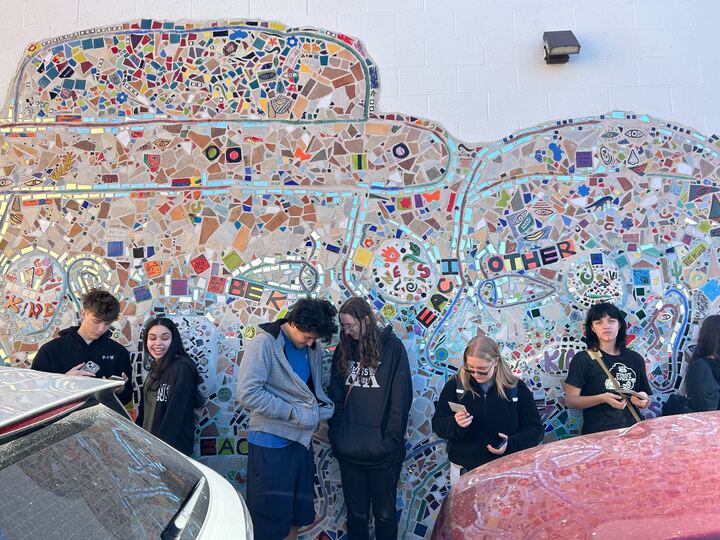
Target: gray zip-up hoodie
{"x": 278, "y": 400}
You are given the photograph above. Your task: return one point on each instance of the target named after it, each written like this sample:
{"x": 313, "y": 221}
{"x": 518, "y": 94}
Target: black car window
{"x": 93, "y": 474}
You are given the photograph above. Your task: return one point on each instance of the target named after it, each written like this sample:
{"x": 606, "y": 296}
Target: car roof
{"x": 659, "y": 475}
{"x": 25, "y": 393}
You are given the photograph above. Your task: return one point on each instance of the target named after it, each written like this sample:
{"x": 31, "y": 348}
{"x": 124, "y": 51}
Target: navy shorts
{"x": 280, "y": 489}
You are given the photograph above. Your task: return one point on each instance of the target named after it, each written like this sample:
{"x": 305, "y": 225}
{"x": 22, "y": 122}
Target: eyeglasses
{"x": 481, "y": 372}
{"x": 350, "y": 326}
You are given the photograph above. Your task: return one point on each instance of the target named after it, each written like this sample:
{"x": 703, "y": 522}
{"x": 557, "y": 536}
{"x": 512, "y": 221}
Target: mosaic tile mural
{"x": 216, "y": 172}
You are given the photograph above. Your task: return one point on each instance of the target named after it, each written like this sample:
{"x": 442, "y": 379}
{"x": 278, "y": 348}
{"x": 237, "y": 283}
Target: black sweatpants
{"x": 280, "y": 489}
{"x": 365, "y": 488}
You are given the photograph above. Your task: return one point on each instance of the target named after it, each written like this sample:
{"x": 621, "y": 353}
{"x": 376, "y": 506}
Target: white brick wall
{"x": 473, "y": 65}
{"x": 427, "y": 80}
{"x": 578, "y": 102}
{"x": 37, "y": 12}
{"x": 655, "y": 99}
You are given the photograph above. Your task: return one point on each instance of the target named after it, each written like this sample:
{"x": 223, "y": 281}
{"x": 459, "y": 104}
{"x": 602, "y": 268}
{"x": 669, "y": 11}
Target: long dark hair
{"x": 597, "y": 312}
{"x": 368, "y": 346}
{"x": 175, "y": 351}
{"x": 708, "y": 343}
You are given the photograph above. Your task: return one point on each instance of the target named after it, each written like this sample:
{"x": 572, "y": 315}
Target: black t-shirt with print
{"x": 628, "y": 368}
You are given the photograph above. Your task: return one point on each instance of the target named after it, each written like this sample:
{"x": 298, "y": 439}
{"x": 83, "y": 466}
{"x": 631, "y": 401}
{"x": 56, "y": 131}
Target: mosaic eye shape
{"x": 634, "y": 133}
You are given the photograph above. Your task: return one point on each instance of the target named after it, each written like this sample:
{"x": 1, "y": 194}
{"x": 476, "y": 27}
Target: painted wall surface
{"x": 217, "y": 171}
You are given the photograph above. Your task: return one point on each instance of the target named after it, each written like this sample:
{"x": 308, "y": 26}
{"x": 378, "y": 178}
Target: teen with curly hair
{"x": 279, "y": 382}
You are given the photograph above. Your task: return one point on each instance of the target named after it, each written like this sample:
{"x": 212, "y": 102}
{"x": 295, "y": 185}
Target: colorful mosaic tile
{"x": 217, "y": 172}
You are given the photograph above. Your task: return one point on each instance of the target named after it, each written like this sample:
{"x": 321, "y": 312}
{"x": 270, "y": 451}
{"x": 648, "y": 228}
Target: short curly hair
{"x": 102, "y": 305}
{"x": 313, "y": 315}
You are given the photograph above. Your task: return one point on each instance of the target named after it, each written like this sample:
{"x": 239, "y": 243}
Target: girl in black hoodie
{"x": 500, "y": 414}
{"x": 371, "y": 388}
{"x": 169, "y": 395}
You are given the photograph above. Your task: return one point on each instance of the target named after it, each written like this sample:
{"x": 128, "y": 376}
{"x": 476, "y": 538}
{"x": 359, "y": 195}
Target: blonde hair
{"x": 487, "y": 349}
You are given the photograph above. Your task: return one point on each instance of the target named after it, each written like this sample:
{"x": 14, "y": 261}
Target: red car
{"x": 657, "y": 479}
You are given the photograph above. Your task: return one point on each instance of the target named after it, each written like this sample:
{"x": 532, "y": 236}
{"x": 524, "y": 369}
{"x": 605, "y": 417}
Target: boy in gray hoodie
{"x": 279, "y": 382}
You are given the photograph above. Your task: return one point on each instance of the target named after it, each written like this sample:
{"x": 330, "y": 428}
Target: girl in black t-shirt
{"x": 587, "y": 385}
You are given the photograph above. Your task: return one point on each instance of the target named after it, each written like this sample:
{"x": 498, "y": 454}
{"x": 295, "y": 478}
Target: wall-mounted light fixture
{"x": 559, "y": 46}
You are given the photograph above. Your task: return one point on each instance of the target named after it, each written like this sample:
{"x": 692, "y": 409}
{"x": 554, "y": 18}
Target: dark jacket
{"x": 174, "y": 420}
{"x": 703, "y": 384}
{"x": 368, "y": 429}
{"x": 68, "y": 350}
{"x": 467, "y": 447}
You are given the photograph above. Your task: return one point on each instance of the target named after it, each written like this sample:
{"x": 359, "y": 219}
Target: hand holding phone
{"x": 81, "y": 371}
{"x": 628, "y": 392}
{"x": 457, "y": 407}
{"x": 462, "y": 417}
{"x": 614, "y": 399}
{"x": 90, "y": 367}
{"x": 640, "y": 399}
{"x": 499, "y": 445}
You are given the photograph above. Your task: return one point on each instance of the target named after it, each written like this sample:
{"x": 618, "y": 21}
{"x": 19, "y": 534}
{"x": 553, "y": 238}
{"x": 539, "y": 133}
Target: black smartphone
{"x": 498, "y": 442}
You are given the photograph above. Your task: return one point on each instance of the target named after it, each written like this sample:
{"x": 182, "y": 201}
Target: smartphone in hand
{"x": 457, "y": 407}
{"x": 498, "y": 442}
{"x": 90, "y": 367}
{"x": 627, "y": 392}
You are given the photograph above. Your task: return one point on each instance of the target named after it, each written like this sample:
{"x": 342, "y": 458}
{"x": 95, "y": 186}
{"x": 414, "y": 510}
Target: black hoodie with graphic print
{"x": 69, "y": 349}
{"x": 369, "y": 424}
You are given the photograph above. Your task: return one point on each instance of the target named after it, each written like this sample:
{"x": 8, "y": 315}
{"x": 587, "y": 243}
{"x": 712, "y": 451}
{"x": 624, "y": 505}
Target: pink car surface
{"x": 657, "y": 479}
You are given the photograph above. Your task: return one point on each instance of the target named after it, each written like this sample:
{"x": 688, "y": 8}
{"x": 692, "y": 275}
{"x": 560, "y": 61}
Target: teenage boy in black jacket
{"x": 87, "y": 350}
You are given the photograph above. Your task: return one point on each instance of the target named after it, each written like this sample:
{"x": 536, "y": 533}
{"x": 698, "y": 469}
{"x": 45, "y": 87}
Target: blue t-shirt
{"x": 300, "y": 363}
{"x": 298, "y": 359}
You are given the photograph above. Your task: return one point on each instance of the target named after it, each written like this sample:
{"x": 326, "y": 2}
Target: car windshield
{"x": 93, "y": 474}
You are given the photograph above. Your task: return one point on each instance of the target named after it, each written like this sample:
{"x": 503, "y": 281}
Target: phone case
{"x": 90, "y": 367}
{"x": 457, "y": 407}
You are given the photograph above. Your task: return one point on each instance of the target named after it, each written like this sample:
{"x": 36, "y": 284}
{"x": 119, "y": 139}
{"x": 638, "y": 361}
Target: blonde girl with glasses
{"x": 484, "y": 411}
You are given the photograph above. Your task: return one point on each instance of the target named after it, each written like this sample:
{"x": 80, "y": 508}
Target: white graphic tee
{"x": 362, "y": 378}
{"x": 624, "y": 375}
